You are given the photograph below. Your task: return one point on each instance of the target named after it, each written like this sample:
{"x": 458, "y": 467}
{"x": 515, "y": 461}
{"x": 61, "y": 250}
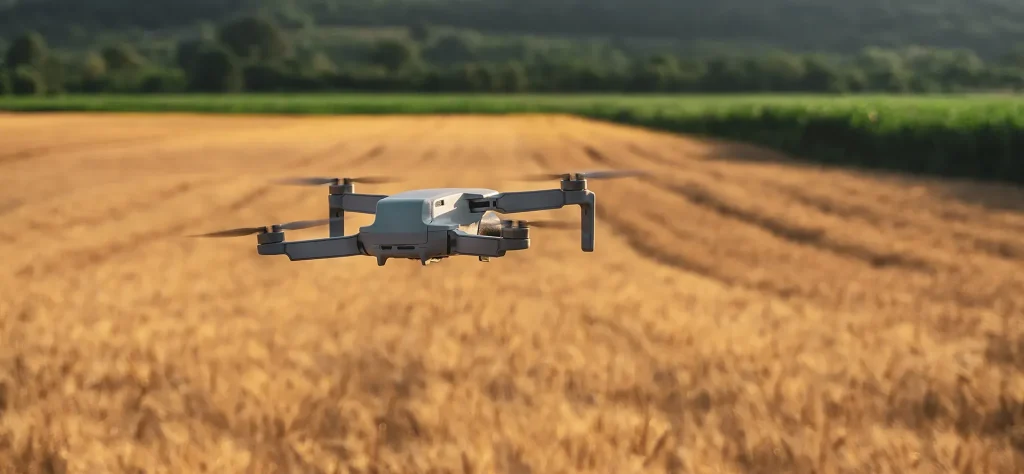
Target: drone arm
{"x": 333, "y": 247}
{"x": 352, "y": 202}
{"x": 528, "y": 201}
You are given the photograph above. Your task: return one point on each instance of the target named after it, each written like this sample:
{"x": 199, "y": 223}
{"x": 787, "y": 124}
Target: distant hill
{"x": 990, "y": 27}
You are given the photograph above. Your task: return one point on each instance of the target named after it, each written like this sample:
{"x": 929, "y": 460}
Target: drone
{"x": 430, "y": 224}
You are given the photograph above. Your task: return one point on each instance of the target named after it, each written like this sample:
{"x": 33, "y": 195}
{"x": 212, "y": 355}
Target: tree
{"x": 93, "y": 66}
{"x": 187, "y": 51}
{"x": 320, "y": 63}
{"x": 856, "y": 80}
{"x": 476, "y": 78}
{"x": 27, "y": 81}
{"x": 93, "y": 71}
{"x": 215, "y": 70}
{"x": 28, "y": 49}
{"x": 1015, "y": 57}
{"x": 52, "y": 74}
{"x": 964, "y": 68}
{"x": 451, "y": 48}
{"x": 420, "y": 31}
{"x": 5, "y": 83}
{"x": 778, "y": 71}
{"x": 255, "y": 38}
{"x": 265, "y": 77}
{"x": 207, "y": 31}
{"x": 821, "y": 76}
{"x": 652, "y": 75}
{"x": 122, "y": 57}
{"x": 661, "y": 73}
{"x": 514, "y": 78}
{"x": 884, "y": 70}
{"x": 162, "y": 82}
{"x": 725, "y": 74}
{"x": 393, "y": 55}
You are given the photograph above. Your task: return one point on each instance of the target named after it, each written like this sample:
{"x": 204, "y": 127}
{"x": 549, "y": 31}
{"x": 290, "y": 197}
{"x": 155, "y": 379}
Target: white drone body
{"x": 429, "y": 224}
{"x": 420, "y": 224}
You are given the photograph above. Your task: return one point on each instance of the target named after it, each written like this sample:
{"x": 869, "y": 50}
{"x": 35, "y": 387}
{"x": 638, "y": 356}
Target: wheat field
{"x": 741, "y": 313}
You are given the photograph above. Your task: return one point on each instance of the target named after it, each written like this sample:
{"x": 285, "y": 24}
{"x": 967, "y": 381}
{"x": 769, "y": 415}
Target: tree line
{"x": 989, "y": 27}
{"x": 255, "y": 54}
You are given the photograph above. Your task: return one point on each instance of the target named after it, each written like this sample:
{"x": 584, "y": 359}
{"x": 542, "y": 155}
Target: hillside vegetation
{"x": 990, "y": 27}
{"x": 258, "y": 53}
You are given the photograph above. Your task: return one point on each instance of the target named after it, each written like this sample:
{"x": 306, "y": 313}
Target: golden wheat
{"x": 741, "y": 313}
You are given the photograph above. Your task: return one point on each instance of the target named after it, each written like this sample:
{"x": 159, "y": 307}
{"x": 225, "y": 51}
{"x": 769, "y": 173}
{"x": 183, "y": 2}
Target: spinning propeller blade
{"x": 321, "y": 180}
{"x": 311, "y": 181}
{"x": 612, "y": 174}
{"x": 373, "y": 180}
{"x": 297, "y": 225}
{"x": 600, "y": 174}
{"x": 234, "y": 232}
{"x": 544, "y": 176}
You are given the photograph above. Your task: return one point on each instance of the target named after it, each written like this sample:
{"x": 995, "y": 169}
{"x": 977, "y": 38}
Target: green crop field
{"x": 968, "y": 136}
{"x": 928, "y": 108}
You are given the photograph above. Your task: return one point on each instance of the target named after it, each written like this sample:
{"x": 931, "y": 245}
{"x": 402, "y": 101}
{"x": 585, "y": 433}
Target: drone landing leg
{"x": 587, "y": 222}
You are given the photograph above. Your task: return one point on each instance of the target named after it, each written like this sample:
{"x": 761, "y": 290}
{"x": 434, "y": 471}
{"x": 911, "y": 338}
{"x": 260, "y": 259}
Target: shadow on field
{"x": 990, "y": 195}
{"x": 1002, "y": 197}
{"x": 742, "y": 152}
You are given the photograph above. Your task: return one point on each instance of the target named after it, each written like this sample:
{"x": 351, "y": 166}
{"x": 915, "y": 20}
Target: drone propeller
{"x": 242, "y": 231}
{"x": 320, "y": 180}
{"x": 542, "y": 224}
{"x": 603, "y": 174}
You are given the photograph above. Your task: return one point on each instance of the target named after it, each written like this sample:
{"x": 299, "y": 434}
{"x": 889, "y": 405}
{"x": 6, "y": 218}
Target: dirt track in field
{"x": 740, "y": 314}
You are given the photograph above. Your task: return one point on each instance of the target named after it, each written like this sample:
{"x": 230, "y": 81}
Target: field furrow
{"x": 741, "y": 313}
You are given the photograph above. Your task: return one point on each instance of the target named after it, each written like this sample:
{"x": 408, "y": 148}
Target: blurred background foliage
{"x": 52, "y": 47}
{"x": 512, "y": 46}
